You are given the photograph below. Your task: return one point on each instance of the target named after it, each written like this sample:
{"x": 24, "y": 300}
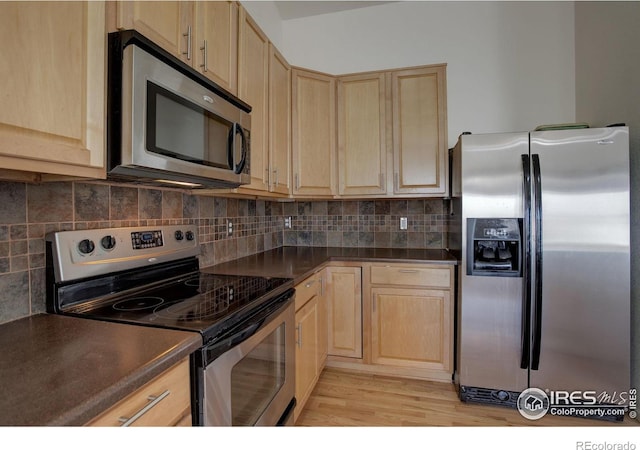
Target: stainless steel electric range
{"x": 244, "y": 372}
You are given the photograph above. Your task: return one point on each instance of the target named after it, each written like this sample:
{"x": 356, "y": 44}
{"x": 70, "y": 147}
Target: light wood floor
{"x": 343, "y": 398}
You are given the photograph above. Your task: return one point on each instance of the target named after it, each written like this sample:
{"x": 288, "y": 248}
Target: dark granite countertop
{"x": 59, "y": 370}
{"x": 300, "y": 262}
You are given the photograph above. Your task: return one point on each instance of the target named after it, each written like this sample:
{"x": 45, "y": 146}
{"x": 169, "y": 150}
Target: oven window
{"x": 183, "y": 130}
{"x": 257, "y": 378}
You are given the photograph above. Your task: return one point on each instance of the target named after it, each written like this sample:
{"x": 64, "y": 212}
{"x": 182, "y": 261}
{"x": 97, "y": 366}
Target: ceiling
{"x": 298, "y": 9}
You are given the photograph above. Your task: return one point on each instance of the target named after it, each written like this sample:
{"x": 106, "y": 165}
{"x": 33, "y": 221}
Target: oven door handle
{"x": 238, "y": 335}
{"x": 236, "y": 338}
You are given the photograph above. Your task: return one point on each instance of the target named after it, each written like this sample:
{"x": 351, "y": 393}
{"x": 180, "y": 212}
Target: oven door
{"x": 248, "y": 378}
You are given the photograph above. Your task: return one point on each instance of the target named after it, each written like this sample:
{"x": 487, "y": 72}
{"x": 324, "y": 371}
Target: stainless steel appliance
{"x": 244, "y": 373}
{"x": 544, "y": 282}
{"x": 168, "y": 124}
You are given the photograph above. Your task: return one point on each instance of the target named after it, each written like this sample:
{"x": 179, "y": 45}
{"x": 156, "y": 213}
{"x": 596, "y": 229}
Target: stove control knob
{"x": 179, "y": 235}
{"x": 108, "y": 242}
{"x": 86, "y": 246}
{"x": 190, "y": 235}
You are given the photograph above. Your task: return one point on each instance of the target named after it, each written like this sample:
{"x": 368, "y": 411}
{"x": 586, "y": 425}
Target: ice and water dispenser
{"x": 494, "y": 247}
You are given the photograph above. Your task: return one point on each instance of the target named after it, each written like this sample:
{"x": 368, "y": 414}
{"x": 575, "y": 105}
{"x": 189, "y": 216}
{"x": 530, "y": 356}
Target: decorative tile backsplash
{"x": 31, "y": 211}
{"x": 366, "y": 223}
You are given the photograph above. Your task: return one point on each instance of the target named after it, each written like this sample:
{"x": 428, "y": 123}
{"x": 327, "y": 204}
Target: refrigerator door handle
{"x": 525, "y": 339}
{"x": 537, "y": 313}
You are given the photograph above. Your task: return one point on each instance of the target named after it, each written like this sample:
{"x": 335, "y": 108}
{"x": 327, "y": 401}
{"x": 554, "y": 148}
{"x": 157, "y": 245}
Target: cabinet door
{"x": 306, "y": 352}
{"x": 344, "y": 308}
{"x": 253, "y": 88}
{"x": 313, "y": 133}
{"x": 362, "y": 147}
{"x": 323, "y": 337}
{"x": 419, "y": 130}
{"x": 216, "y": 42}
{"x": 279, "y": 122}
{"x": 169, "y": 24}
{"x": 53, "y": 87}
{"x": 411, "y": 328}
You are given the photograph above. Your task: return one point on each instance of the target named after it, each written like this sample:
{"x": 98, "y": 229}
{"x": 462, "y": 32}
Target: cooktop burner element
{"x": 157, "y": 284}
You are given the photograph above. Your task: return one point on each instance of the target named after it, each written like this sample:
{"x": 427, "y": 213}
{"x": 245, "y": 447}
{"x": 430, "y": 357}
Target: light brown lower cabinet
{"x": 390, "y": 319}
{"x": 344, "y": 311}
{"x": 311, "y": 337}
{"x": 410, "y": 328}
{"x": 399, "y": 316}
{"x": 164, "y": 401}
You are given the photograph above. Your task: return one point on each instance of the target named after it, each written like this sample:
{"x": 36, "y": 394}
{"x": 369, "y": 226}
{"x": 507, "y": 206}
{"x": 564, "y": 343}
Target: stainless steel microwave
{"x": 167, "y": 124}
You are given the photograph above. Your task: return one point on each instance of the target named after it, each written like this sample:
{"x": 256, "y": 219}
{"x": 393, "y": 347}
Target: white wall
{"x": 510, "y": 64}
{"x": 608, "y": 91}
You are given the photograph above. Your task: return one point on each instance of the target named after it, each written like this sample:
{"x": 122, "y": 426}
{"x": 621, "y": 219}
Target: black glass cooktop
{"x": 203, "y": 302}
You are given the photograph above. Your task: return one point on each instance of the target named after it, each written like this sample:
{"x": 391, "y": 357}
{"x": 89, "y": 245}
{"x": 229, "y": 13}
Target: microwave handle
{"x": 231, "y": 146}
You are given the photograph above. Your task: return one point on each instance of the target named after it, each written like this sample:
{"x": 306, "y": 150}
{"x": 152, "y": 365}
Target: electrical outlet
{"x": 287, "y": 222}
{"x": 403, "y": 223}
{"x": 229, "y": 228}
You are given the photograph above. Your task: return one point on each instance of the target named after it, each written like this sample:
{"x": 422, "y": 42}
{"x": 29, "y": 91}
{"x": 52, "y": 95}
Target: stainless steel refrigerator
{"x": 541, "y": 220}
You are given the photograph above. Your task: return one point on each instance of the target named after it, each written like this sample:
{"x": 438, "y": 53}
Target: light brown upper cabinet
{"x": 204, "y": 35}
{"x": 279, "y": 123}
{"x": 168, "y": 24}
{"x": 392, "y": 133}
{"x": 216, "y": 41}
{"x": 265, "y": 84}
{"x": 52, "y": 119}
{"x": 313, "y": 133}
{"x": 362, "y": 146}
{"x": 253, "y": 88}
{"x": 419, "y": 130}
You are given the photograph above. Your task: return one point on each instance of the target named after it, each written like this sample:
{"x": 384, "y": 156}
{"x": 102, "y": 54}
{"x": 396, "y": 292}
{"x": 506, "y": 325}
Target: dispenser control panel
{"x": 494, "y": 247}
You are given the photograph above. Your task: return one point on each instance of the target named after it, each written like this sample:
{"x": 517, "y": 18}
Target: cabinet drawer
{"x": 411, "y": 276}
{"x": 307, "y": 289}
{"x": 164, "y": 401}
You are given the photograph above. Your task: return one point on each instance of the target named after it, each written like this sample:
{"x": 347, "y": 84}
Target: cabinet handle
{"x": 188, "y": 36}
{"x": 396, "y": 181}
{"x": 297, "y": 182}
{"x": 321, "y": 286}
{"x": 153, "y": 401}
{"x": 267, "y": 176}
{"x": 204, "y": 56}
{"x": 299, "y": 329}
{"x": 381, "y": 179}
{"x": 408, "y": 271}
{"x": 373, "y": 303}
{"x": 276, "y": 174}
{"x": 308, "y": 285}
